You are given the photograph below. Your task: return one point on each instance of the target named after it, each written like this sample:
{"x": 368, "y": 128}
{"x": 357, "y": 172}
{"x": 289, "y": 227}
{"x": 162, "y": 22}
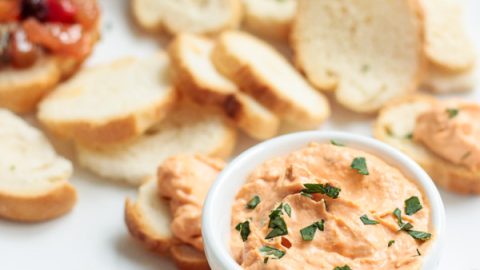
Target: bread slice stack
{"x": 152, "y": 218}
{"x": 395, "y": 125}
{"x": 449, "y": 50}
{"x": 126, "y": 117}
{"x": 263, "y": 73}
{"x": 270, "y": 18}
{"x": 33, "y": 178}
{"x": 191, "y": 16}
{"x": 367, "y": 52}
{"x": 196, "y": 76}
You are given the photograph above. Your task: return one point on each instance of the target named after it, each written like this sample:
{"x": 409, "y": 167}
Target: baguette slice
{"x": 148, "y": 219}
{"x": 440, "y": 81}
{"x": 197, "y": 77}
{"x": 110, "y": 104}
{"x": 259, "y": 70}
{"x": 368, "y": 52}
{"x": 397, "y": 120}
{"x": 187, "y": 129}
{"x": 33, "y": 179}
{"x": 270, "y": 18}
{"x": 447, "y": 44}
{"x": 192, "y": 16}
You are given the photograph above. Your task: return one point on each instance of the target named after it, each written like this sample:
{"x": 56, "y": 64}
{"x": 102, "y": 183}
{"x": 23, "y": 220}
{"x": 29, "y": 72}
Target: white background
{"x": 94, "y": 236}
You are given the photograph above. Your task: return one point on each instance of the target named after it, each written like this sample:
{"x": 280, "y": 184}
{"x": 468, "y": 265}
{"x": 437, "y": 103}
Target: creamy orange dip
{"x": 185, "y": 181}
{"x": 345, "y": 220}
{"x": 451, "y": 130}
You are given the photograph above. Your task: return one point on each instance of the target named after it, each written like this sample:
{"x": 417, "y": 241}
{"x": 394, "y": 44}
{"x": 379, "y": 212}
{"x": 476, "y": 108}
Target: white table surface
{"x": 93, "y": 235}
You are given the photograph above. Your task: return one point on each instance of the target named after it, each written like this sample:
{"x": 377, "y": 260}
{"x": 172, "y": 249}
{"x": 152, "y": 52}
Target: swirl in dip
{"x": 328, "y": 206}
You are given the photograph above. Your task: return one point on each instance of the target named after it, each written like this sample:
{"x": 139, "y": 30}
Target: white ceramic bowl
{"x": 217, "y": 210}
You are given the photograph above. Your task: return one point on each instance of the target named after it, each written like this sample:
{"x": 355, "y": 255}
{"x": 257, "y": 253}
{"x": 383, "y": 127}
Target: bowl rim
{"x": 214, "y": 247}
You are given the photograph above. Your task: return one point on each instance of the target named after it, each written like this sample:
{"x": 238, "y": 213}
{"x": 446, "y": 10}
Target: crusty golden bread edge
{"x": 43, "y": 206}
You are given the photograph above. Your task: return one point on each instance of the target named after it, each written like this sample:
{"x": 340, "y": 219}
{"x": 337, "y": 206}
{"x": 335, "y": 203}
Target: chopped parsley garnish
{"x": 391, "y": 242}
{"x": 423, "y": 236}
{"x": 365, "y": 68}
{"x": 253, "y": 202}
{"x": 277, "y": 223}
{"x": 412, "y": 205}
{"x": 366, "y": 221}
{"x": 326, "y": 189}
{"x": 403, "y": 226}
{"x": 308, "y": 233}
{"x": 452, "y": 112}
{"x": 360, "y": 164}
{"x": 334, "y": 142}
{"x": 345, "y": 267}
{"x": 389, "y": 131}
{"x": 418, "y": 252}
{"x": 12, "y": 168}
{"x": 409, "y": 136}
{"x": 244, "y": 229}
{"x": 287, "y": 209}
{"x": 271, "y": 252}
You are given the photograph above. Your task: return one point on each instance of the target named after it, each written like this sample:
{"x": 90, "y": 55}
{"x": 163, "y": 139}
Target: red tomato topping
{"x": 67, "y": 40}
{"x": 62, "y": 11}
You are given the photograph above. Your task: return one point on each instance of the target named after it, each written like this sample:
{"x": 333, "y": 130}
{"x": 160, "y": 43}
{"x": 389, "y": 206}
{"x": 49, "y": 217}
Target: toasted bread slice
{"x": 259, "y": 70}
{"x": 197, "y": 77}
{"x": 270, "y": 18}
{"x": 191, "y": 16}
{"x": 33, "y": 179}
{"x": 148, "y": 219}
{"x": 447, "y": 44}
{"x": 440, "y": 81}
{"x": 394, "y": 125}
{"x": 368, "y": 52}
{"x": 188, "y": 258}
{"x": 112, "y": 103}
{"x": 187, "y": 129}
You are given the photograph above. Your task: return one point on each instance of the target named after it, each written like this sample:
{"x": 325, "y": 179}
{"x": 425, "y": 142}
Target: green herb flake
{"x": 306, "y": 194}
{"x": 308, "y": 233}
{"x": 409, "y": 136}
{"x": 277, "y": 223}
{"x": 288, "y": 209}
{"x": 334, "y": 142}
{"x": 244, "y": 229}
{"x": 466, "y": 155}
{"x": 423, "y": 236}
{"x": 271, "y": 252}
{"x": 366, "y": 221}
{"x": 391, "y": 242}
{"x": 412, "y": 205}
{"x": 345, "y": 267}
{"x": 327, "y": 189}
{"x": 403, "y": 226}
{"x": 452, "y": 112}
{"x": 418, "y": 252}
{"x": 365, "y": 68}
{"x": 12, "y": 168}
{"x": 253, "y": 202}
{"x": 389, "y": 131}
{"x": 265, "y": 260}
{"x": 360, "y": 164}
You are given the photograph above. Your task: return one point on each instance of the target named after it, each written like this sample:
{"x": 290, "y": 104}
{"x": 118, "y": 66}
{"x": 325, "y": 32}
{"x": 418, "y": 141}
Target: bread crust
{"x": 114, "y": 131}
{"x": 188, "y": 258}
{"x": 252, "y": 83}
{"x": 230, "y": 102}
{"x": 38, "y": 207}
{"x": 445, "y": 174}
{"x": 137, "y": 228}
{"x": 160, "y": 25}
